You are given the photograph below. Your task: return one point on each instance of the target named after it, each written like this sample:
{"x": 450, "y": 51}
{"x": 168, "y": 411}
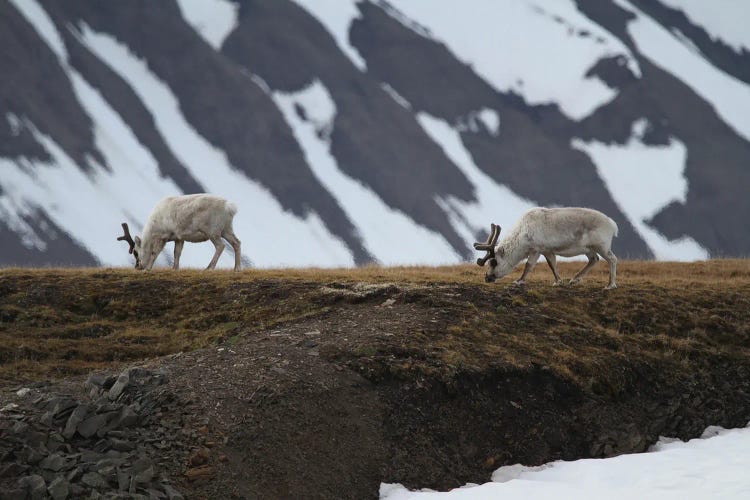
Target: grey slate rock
{"x": 12, "y": 470}
{"x": 59, "y": 489}
{"x": 34, "y": 485}
{"x": 53, "y": 462}
{"x": 78, "y": 415}
{"x": 12, "y": 493}
{"x": 92, "y": 425}
{"x": 95, "y": 480}
{"x": 172, "y": 493}
{"x": 122, "y": 382}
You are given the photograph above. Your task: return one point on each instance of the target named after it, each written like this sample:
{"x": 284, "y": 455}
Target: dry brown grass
{"x": 57, "y": 322}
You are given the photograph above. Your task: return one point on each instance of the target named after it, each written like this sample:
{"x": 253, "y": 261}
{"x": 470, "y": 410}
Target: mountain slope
{"x": 356, "y": 131}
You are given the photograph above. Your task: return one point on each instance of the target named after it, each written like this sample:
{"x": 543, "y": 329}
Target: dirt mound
{"x": 325, "y": 384}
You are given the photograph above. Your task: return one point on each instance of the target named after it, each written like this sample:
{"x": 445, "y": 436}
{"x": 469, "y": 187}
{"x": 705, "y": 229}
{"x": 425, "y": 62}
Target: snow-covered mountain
{"x": 351, "y": 131}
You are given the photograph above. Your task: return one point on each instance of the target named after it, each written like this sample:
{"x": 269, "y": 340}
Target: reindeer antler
{"x": 488, "y": 245}
{"x": 126, "y": 237}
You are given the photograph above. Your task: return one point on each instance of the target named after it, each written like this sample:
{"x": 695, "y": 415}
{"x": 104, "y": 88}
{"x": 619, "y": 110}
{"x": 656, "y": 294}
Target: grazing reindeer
{"x": 194, "y": 218}
{"x": 551, "y": 231}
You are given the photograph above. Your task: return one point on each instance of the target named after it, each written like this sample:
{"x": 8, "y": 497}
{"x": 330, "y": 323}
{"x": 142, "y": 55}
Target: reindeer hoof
{"x": 558, "y": 283}
{"x": 519, "y": 283}
{"x": 610, "y": 287}
{"x": 574, "y": 281}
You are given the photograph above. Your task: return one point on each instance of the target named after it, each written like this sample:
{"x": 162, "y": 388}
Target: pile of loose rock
{"x": 99, "y": 445}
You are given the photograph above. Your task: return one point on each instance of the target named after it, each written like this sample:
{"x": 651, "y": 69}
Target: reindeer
{"x": 551, "y": 231}
{"x": 194, "y": 218}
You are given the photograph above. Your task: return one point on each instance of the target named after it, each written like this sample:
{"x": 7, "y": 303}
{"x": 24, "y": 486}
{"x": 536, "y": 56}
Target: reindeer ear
{"x": 138, "y": 240}
{"x": 501, "y": 252}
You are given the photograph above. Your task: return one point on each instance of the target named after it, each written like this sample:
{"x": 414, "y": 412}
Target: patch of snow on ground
{"x": 337, "y": 16}
{"x": 400, "y": 100}
{"x": 491, "y": 120}
{"x": 729, "y": 96}
{"x": 643, "y": 180}
{"x": 712, "y": 467}
{"x": 261, "y": 218}
{"x": 725, "y": 20}
{"x": 494, "y": 202}
{"x": 214, "y": 20}
{"x": 385, "y": 231}
{"x": 45, "y": 28}
{"x": 539, "y": 50}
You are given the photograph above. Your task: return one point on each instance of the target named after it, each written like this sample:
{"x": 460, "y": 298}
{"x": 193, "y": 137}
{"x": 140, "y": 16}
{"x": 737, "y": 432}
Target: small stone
{"x": 155, "y": 494}
{"x": 127, "y": 418}
{"x": 35, "y": 485}
{"x": 53, "y": 462}
{"x": 78, "y": 415}
{"x": 122, "y": 382}
{"x": 95, "y": 480}
{"x": 22, "y": 393}
{"x": 142, "y": 464}
{"x": 59, "y": 489}
{"x": 19, "y": 428}
{"x": 12, "y": 470}
{"x": 123, "y": 480}
{"x": 9, "y": 407}
{"x": 35, "y": 456}
{"x": 199, "y": 457}
{"x": 199, "y": 473}
{"x": 121, "y": 444}
{"x": 172, "y": 493}
{"x": 76, "y": 491}
{"x": 75, "y": 473}
{"x": 388, "y": 302}
{"x": 144, "y": 477}
{"x": 92, "y": 425}
{"x": 12, "y": 493}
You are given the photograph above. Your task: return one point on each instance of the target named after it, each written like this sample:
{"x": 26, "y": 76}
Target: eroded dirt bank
{"x": 324, "y": 386}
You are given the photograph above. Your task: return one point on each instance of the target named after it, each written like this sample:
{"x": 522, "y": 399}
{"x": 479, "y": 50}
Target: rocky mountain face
{"x": 352, "y": 131}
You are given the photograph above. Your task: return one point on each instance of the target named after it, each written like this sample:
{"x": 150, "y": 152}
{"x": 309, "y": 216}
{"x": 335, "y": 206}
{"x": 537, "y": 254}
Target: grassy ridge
{"x": 58, "y": 322}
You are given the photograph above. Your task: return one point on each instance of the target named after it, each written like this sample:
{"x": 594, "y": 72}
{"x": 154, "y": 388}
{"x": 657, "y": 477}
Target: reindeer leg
{"x": 177, "y": 252}
{"x": 530, "y": 263}
{"x": 235, "y": 242}
{"x": 609, "y": 256}
{"x": 216, "y": 240}
{"x": 552, "y": 263}
{"x": 593, "y": 259}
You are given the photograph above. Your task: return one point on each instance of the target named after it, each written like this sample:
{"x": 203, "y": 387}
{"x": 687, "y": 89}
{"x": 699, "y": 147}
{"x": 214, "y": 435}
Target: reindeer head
{"x": 135, "y": 245}
{"x": 493, "y": 272}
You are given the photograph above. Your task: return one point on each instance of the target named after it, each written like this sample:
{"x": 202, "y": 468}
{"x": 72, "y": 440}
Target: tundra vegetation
{"x": 58, "y": 322}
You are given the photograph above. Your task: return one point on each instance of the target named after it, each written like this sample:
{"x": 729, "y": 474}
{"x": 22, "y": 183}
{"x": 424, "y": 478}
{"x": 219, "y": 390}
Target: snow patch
{"x": 707, "y": 467}
{"x": 385, "y": 231}
{"x": 643, "y": 180}
{"x": 337, "y": 16}
{"x": 729, "y": 96}
{"x": 262, "y": 217}
{"x": 45, "y": 28}
{"x": 523, "y": 45}
{"x": 494, "y": 202}
{"x": 401, "y": 100}
{"x": 214, "y": 20}
{"x": 489, "y": 119}
{"x": 726, "y": 20}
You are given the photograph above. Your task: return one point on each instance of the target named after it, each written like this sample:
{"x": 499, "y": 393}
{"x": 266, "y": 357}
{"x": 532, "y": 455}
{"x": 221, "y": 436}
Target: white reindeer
{"x": 194, "y": 218}
{"x": 551, "y": 231}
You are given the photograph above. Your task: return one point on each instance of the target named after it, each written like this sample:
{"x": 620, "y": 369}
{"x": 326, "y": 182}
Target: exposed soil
{"x": 375, "y": 375}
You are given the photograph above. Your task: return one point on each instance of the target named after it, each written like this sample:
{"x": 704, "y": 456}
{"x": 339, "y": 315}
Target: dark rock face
{"x": 277, "y": 46}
